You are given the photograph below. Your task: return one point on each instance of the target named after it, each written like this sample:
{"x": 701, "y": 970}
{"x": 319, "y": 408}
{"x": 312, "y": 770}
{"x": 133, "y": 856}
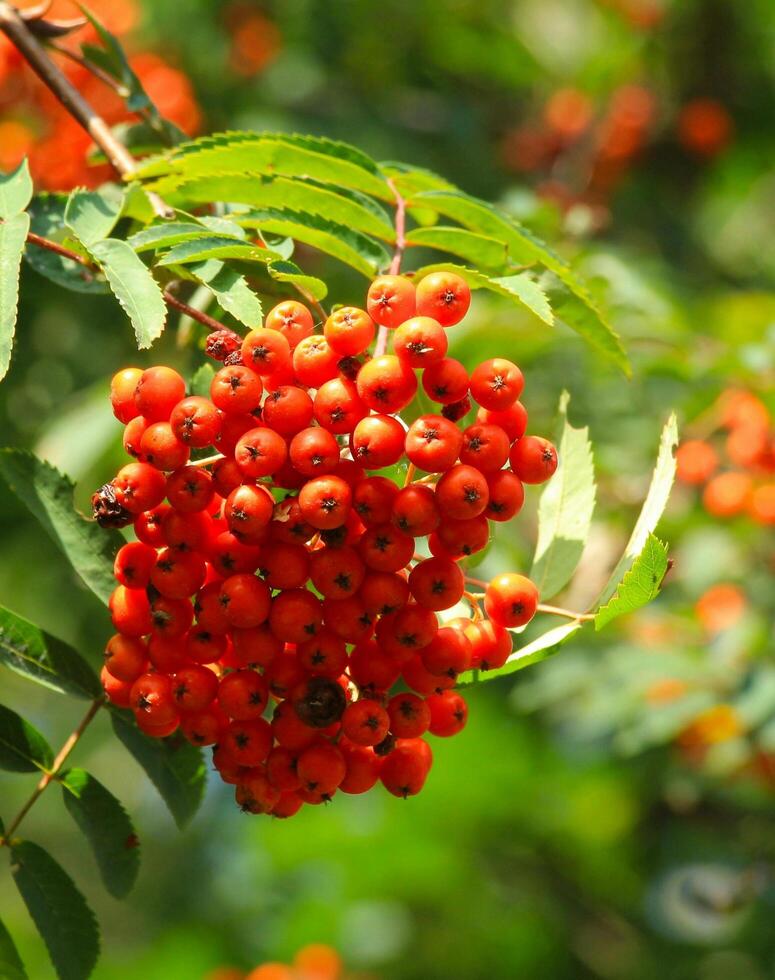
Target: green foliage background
{"x": 559, "y": 836}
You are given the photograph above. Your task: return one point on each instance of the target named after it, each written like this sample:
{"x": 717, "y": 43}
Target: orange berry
{"x": 696, "y": 461}
{"x": 727, "y": 494}
{"x": 720, "y": 607}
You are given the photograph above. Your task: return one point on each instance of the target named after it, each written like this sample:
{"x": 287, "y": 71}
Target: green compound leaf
{"x": 134, "y": 287}
{"x": 15, "y": 191}
{"x": 58, "y": 909}
{"x": 13, "y": 236}
{"x": 541, "y": 648}
{"x": 215, "y": 246}
{"x": 271, "y": 153}
{"x": 107, "y": 827}
{"x": 521, "y": 289}
{"x": 91, "y": 216}
{"x": 174, "y": 766}
{"x": 640, "y": 584}
{"x": 653, "y": 507}
{"x": 336, "y": 240}
{"x": 283, "y": 270}
{"x": 48, "y": 495}
{"x": 11, "y": 966}
{"x": 345, "y": 207}
{"x": 526, "y": 249}
{"x": 481, "y": 250}
{"x": 22, "y": 747}
{"x": 156, "y": 237}
{"x": 30, "y": 651}
{"x": 230, "y": 290}
{"x": 47, "y": 212}
{"x": 565, "y": 510}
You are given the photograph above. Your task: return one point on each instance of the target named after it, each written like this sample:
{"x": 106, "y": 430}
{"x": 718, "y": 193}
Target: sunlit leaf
{"x": 565, "y": 510}
{"x": 230, "y": 290}
{"x": 134, "y": 287}
{"x": 480, "y": 250}
{"x": 92, "y": 215}
{"x": 47, "y": 213}
{"x": 13, "y": 235}
{"x": 641, "y": 583}
{"x": 15, "y": 191}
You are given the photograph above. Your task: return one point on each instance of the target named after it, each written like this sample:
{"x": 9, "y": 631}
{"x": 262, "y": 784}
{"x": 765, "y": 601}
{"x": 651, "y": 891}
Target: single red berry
{"x": 409, "y": 715}
{"x": 338, "y": 406}
{"x": 196, "y": 422}
{"x": 122, "y": 394}
{"x": 373, "y": 500}
{"x": 248, "y": 511}
{"x": 168, "y": 654}
{"x": 325, "y": 501}
{"x": 372, "y": 668}
{"x": 385, "y": 385}
{"x": 190, "y": 489}
{"x": 507, "y": 495}
{"x": 248, "y": 742}
{"x": 385, "y": 549}
{"x": 490, "y": 644}
{"x": 194, "y": 688}
{"x": 178, "y": 574}
{"x": 383, "y": 593}
{"x": 285, "y": 565}
{"x": 296, "y": 615}
{"x": 433, "y": 443}
{"x": 445, "y": 381}
{"x": 437, "y": 583}
{"x": 365, "y": 722}
{"x": 266, "y": 351}
{"x": 139, "y": 487}
{"x": 510, "y": 599}
{"x": 117, "y": 692}
{"x": 126, "y": 657}
{"x": 314, "y": 361}
{"x": 513, "y": 420}
{"x": 420, "y": 342}
{"x": 391, "y": 300}
{"x": 151, "y": 697}
{"x": 348, "y": 618}
{"x": 533, "y": 459}
{"x": 377, "y": 441}
{"x": 133, "y": 564}
{"x": 321, "y": 768}
{"x": 444, "y": 296}
{"x": 287, "y": 410}
{"x": 160, "y": 447}
{"x": 204, "y": 727}
{"x": 292, "y": 319}
{"x": 158, "y": 391}
{"x": 324, "y": 654}
{"x": 171, "y": 618}
{"x": 462, "y": 493}
{"x": 460, "y": 539}
{"x": 130, "y": 611}
{"x": 363, "y": 768}
{"x": 349, "y": 331}
{"x": 449, "y": 713}
{"x": 243, "y": 695}
{"x": 246, "y": 600}
{"x": 260, "y": 452}
{"x": 404, "y": 771}
{"x": 484, "y": 446}
{"x": 314, "y": 451}
{"x": 448, "y": 653}
{"x": 414, "y": 510}
{"x": 496, "y": 384}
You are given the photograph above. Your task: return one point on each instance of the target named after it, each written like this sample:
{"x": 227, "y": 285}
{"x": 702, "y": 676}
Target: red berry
{"x": 293, "y": 320}
{"x": 158, "y": 391}
{"x": 349, "y": 331}
{"x": 195, "y": 421}
{"x": 133, "y": 564}
{"x": 126, "y": 657}
{"x": 266, "y": 351}
{"x": 243, "y": 695}
{"x": 391, "y": 300}
{"x": 260, "y": 452}
{"x": 122, "y": 394}
{"x": 445, "y": 381}
{"x": 420, "y": 342}
{"x": 385, "y": 385}
{"x": 533, "y": 459}
{"x": 449, "y": 713}
{"x": 409, "y": 715}
{"x": 377, "y": 441}
{"x": 365, "y": 722}
{"x": 194, "y": 688}
{"x": 444, "y": 296}
{"x": 496, "y": 384}
{"x": 433, "y": 443}
{"x": 510, "y": 600}
{"x": 437, "y": 583}
{"x": 462, "y": 493}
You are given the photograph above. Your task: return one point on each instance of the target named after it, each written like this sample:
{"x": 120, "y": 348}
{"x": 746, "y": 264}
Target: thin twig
{"x": 56, "y": 766}
{"x": 567, "y": 613}
{"x": 66, "y": 253}
{"x": 52, "y": 76}
{"x": 398, "y": 254}
{"x": 177, "y": 304}
{"x": 207, "y": 461}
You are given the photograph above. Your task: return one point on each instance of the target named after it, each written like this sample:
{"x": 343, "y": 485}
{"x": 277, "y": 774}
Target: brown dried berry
{"x": 221, "y": 343}
{"x": 319, "y": 702}
{"x": 107, "y": 511}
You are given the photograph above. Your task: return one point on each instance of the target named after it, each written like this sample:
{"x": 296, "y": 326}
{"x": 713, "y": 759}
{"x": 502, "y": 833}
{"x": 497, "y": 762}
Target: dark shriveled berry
{"x": 107, "y": 511}
{"x": 320, "y": 703}
{"x": 220, "y": 343}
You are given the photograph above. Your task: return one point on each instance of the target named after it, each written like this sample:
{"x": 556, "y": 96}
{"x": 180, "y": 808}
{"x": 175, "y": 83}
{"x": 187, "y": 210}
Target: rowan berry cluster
{"x": 281, "y": 599}
{"x": 741, "y": 438}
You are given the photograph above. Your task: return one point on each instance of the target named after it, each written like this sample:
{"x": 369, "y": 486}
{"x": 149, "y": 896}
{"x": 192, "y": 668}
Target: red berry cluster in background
{"x": 746, "y": 486}
{"x": 277, "y": 603}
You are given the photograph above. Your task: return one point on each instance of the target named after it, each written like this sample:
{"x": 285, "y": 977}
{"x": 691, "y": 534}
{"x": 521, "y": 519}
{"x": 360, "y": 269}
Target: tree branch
{"x": 398, "y": 254}
{"x": 14, "y": 27}
{"x": 56, "y": 767}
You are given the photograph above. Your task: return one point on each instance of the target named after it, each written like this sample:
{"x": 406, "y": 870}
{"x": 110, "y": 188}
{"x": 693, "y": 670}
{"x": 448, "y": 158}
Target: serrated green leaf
{"x": 13, "y": 236}
{"x": 113, "y": 60}
{"x": 284, "y": 271}
{"x": 653, "y": 506}
{"x": 565, "y": 510}
{"x": 351, "y": 247}
{"x": 47, "y": 213}
{"x": 91, "y": 216}
{"x": 541, "y": 648}
{"x": 640, "y": 584}
{"x": 521, "y": 289}
{"x": 11, "y": 966}
{"x": 482, "y": 250}
{"x": 58, "y": 909}
{"x": 15, "y": 191}
{"x": 214, "y": 247}
{"x": 48, "y": 495}
{"x": 201, "y": 380}
{"x": 107, "y": 827}
{"x": 30, "y": 651}
{"x": 134, "y": 287}
{"x": 526, "y": 248}
{"x": 174, "y": 766}
{"x": 349, "y": 208}
{"x": 230, "y": 290}
{"x": 156, "y": 237}
{"x": 409, "y": 180}
{"x": 22, "y": 747}
{"x": 273, "y": 153}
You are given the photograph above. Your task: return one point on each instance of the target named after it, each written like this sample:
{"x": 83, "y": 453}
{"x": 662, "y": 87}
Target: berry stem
{"x": 207, "y": 461}
{"x": 176, "y": 304}
{"x": 568, "y": 613}
{"x": 409, "y": 474}
{"x": 473, "y": 601}
{"x": 398, "y": 254}
{"x": 56, "y": 766}
{"x": 122, "y": 161}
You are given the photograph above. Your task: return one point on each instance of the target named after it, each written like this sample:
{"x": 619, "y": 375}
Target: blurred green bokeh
{"x": 560, "y": 835}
